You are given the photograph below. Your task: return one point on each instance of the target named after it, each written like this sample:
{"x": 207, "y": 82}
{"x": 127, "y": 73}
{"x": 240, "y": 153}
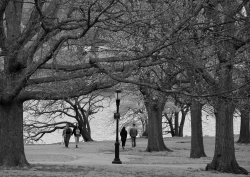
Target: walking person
{"x": 123, "y": 135}
{"x": 133, "y": 133}
{"x": 77, "y": 133}
{"x": 67, "y": 132}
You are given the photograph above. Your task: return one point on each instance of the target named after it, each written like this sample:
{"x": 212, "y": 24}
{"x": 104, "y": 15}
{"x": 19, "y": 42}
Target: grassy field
{"x": 94, "y": 159}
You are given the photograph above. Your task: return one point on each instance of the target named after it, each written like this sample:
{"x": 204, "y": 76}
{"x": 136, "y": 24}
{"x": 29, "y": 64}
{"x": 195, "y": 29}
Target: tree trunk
{"x": 176, "y": 124}
{"x": 244, "y": 127}
{"x": 145, "y": 133}
{"x": 197, "y": 147}
{"x": 85, "y": 134}
{"x": 224, "y": 155}
{"x": 170, "y": 123}
{"x": 88, "y": 127}
{"x": 11, "y": 135}
{"x": 155, "y": 138}
{"x": 142, "y": 125}
{"x": 82, "y": 121}
{"x": 183, "y": 117}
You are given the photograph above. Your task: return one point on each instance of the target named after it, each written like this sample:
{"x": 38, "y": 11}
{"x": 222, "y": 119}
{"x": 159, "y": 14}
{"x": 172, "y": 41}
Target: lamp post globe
{"x": 118, "y": 94}
{"x": 117, "y": 117}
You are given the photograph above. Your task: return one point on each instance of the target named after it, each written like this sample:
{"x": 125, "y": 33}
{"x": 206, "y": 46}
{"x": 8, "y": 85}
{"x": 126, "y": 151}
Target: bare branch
{"x": 63, "y": 77}
{"x": 66, "y": 67}
{"x": 53, "y": 95}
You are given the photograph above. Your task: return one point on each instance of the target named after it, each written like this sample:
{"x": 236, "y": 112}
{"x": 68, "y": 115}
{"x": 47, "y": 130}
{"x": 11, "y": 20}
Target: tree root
{"x": 20, "y": 165}
{"x": 158, "y": 149}
{"x": 197, "y": 154}
{"x": 243, "y": 141}
{"x": 10, "y": 162}
{"x": 233, "y": 168}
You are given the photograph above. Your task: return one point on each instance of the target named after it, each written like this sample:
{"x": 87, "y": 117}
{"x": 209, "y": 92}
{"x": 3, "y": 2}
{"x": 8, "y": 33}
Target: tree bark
{"x": 145, "y": 133}
{"x": 82, "y": 121}
{"x": 176, "y": 124}
{"x": 11, "y": 135}
{"x": 197, "y": 147}
{"x": 244, "y": 127}
{"x": 88, "y": 127}
{"x": 155, "y": 138}
{"x": 224, "y": 155}
{"x": 144, "y": 125}
{"x": 85, "y": 134}
{"x": 183, "y": 117}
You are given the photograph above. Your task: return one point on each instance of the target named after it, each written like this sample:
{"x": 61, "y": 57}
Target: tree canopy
{"x": 59, "y": 49}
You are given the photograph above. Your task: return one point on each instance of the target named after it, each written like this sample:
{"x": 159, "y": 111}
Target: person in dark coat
{"x": 123, "y": 135}
{"x": 133, "y": 133}
{"x": 67, "y": 132}
{"x": 77, "y": 133}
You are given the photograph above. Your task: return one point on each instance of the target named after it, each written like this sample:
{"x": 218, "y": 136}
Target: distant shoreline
{"x": 59, "y": 143}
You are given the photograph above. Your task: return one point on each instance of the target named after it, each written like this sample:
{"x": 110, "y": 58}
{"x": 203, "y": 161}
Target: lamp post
{"x": 117, "y": 117}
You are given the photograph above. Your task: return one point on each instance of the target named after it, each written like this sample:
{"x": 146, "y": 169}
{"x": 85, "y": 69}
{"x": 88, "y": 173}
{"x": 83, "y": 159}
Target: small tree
{"x": 172, "y": 110}
{"x": 169, "y": 112}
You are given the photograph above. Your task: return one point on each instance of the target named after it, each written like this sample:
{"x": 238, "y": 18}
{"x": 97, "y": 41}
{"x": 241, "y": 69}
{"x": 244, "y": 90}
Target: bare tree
{"x": 136, "y": 113}
{"x": 150, "y": 48}
{"x": 222, "y": 29}
{"x": 223, "y": 14}
{"x": 171, "y": 113}
{"x": 79, "y": 109}
{"x": 34, "y": 35}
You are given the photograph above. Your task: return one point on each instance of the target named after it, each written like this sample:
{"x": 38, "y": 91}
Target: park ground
{"x": 94, "y": 159}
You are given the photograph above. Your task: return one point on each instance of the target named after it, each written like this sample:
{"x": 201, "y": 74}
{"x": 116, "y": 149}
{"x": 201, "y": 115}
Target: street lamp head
{"x": 118, "y": 94}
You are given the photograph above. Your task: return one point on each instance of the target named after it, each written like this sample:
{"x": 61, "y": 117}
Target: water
{"x": 103, "y": 127}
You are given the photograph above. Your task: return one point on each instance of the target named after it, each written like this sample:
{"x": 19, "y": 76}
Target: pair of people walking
{"x": 132, "y": 132}
{"x": 67, "y": 133}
